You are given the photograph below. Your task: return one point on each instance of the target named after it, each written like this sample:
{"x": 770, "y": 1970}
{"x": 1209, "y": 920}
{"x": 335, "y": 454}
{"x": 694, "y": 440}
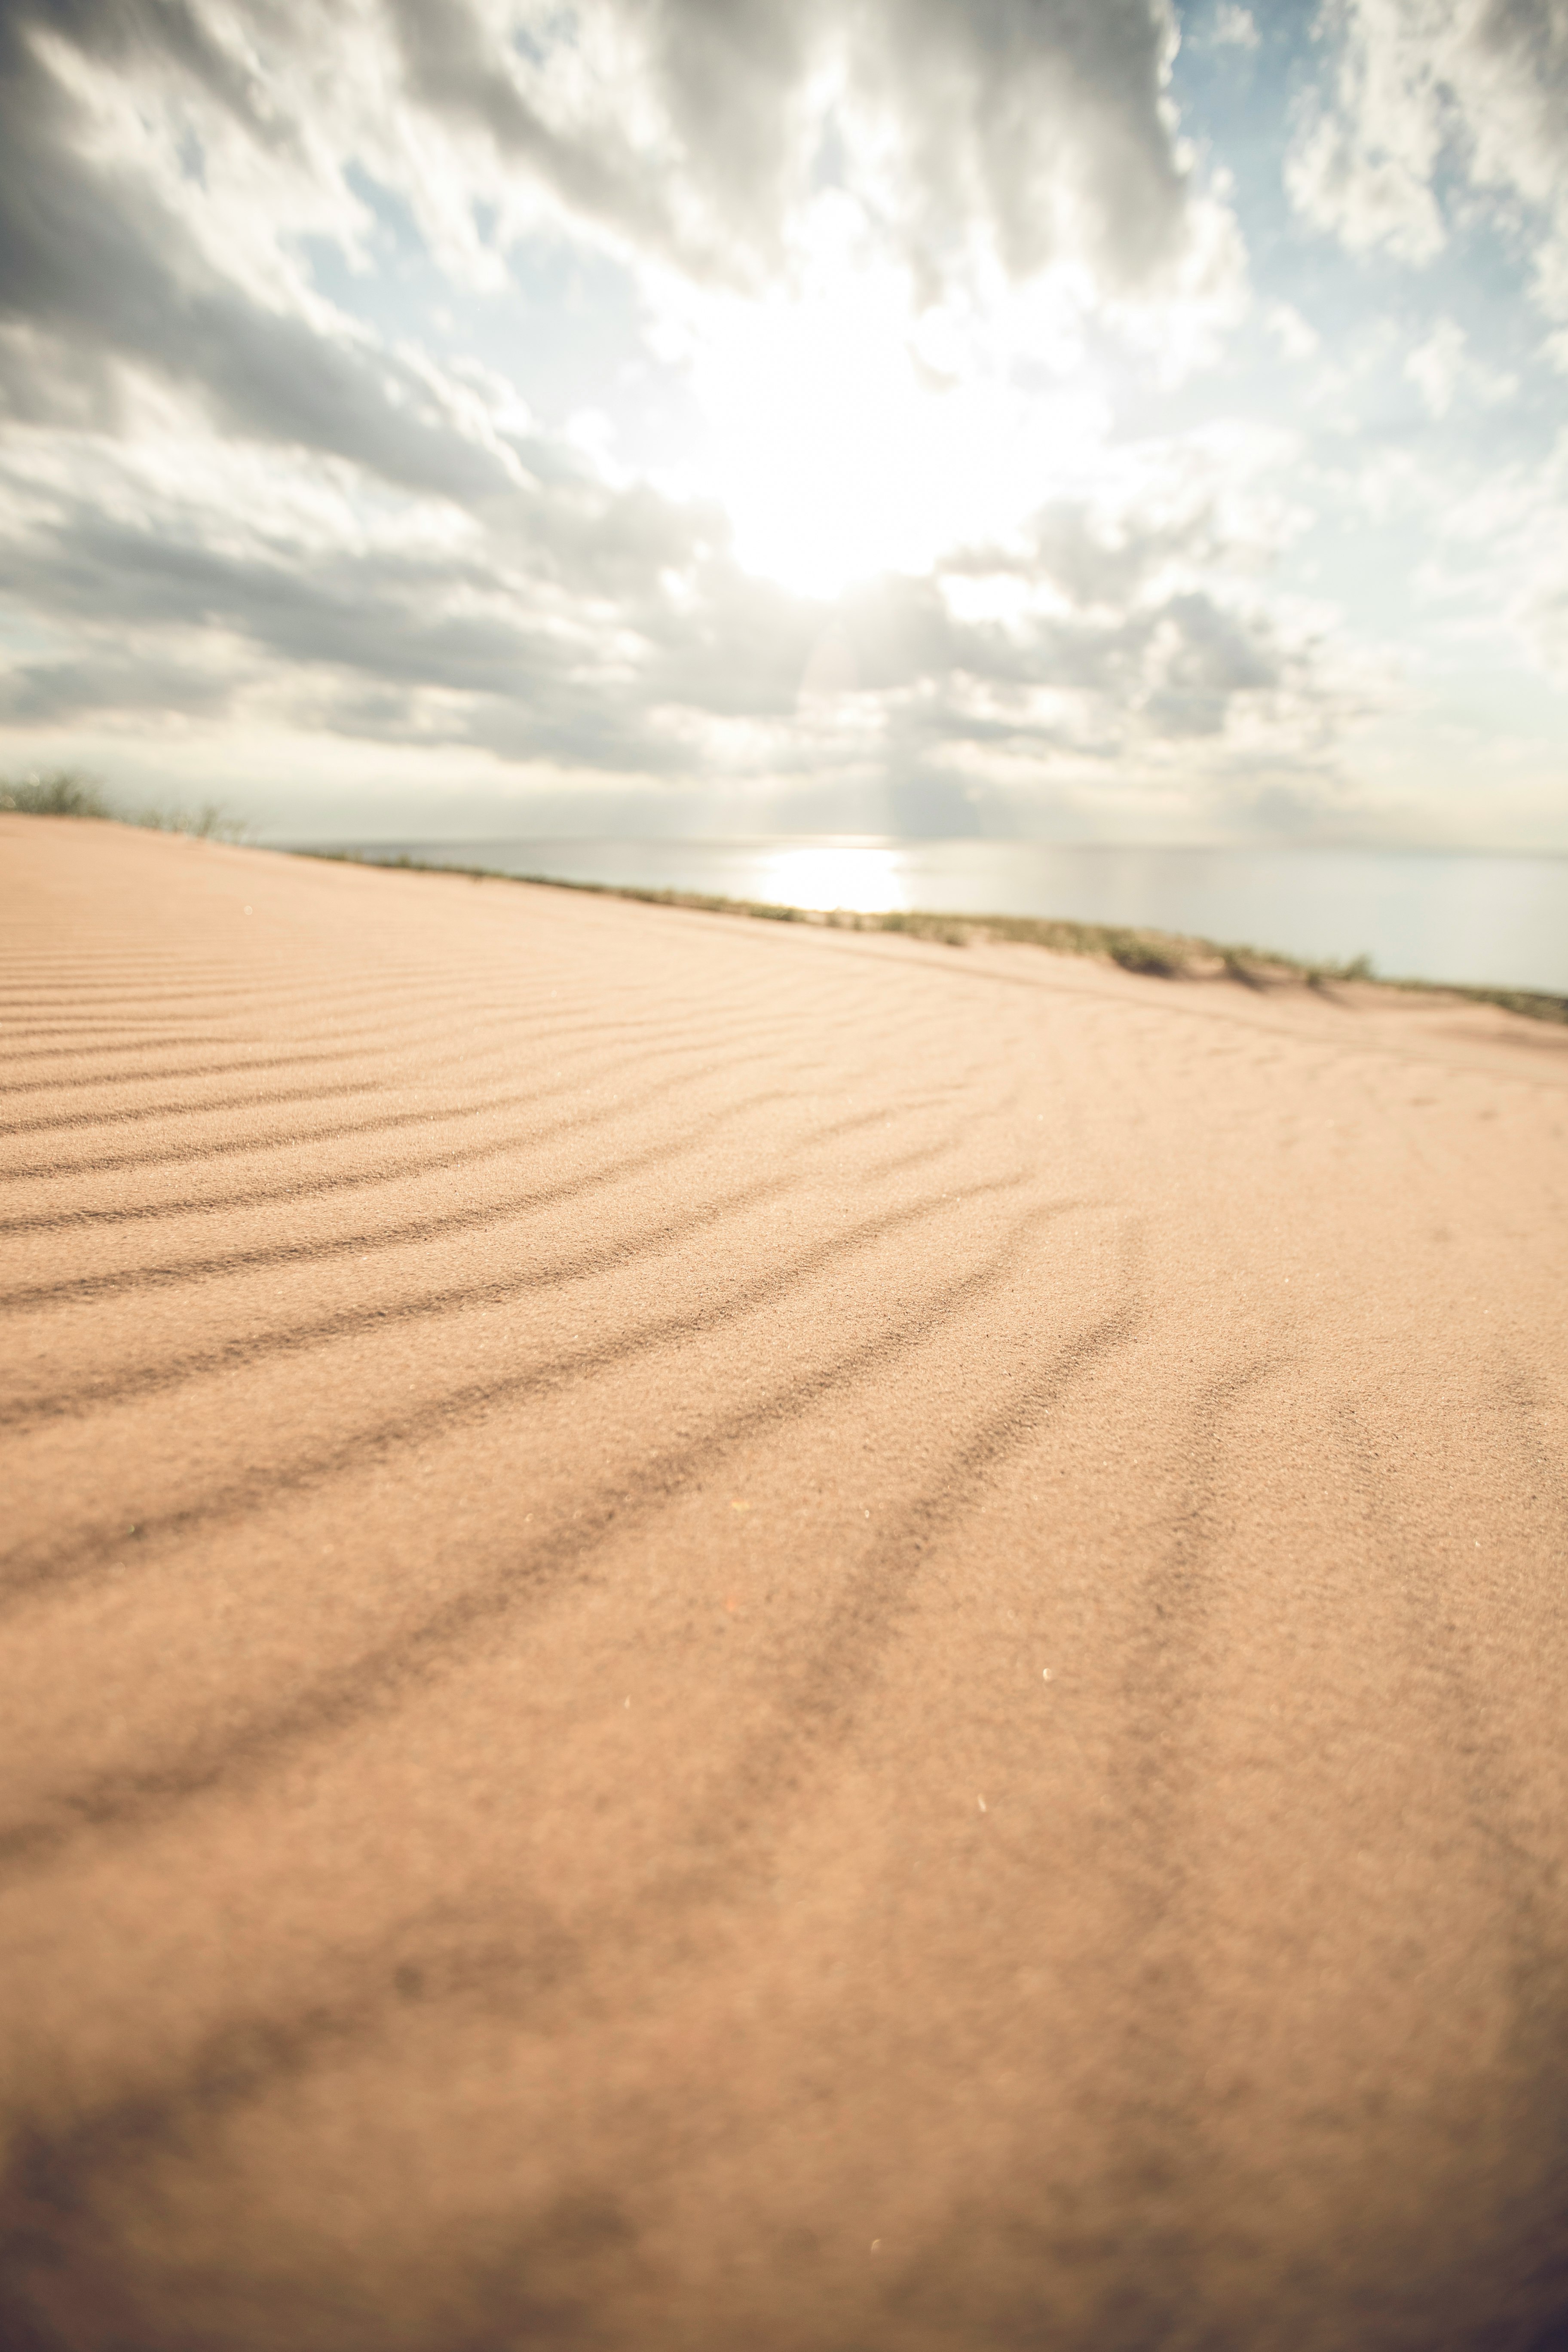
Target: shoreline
{"x": 1153, "y": 950}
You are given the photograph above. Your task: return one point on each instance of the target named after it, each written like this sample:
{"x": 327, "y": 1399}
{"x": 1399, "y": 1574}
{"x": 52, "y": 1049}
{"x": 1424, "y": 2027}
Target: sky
{"x": 1074, "y": 420}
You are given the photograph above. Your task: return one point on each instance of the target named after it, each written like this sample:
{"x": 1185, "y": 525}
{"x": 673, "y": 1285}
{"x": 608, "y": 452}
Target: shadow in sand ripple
{"x": 381, "y": 1678}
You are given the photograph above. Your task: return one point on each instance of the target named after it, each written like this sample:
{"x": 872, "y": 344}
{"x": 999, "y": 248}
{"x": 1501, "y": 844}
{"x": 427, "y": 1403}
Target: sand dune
{"x": 719, "y": 1634}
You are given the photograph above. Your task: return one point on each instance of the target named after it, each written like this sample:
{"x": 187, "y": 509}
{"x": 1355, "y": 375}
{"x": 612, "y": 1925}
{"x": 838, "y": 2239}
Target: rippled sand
{"x": 720, "y": 1636}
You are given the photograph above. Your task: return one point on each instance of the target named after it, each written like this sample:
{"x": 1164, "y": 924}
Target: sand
{"x": 719, "y": 1634}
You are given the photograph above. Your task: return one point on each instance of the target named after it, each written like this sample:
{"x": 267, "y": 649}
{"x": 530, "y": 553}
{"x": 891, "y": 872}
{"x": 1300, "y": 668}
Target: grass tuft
{"x": 63, "y": 792}
{"x": 72, "y": 792}
{"x": 1135, "y": 952}
{"x": 211, "y": 822}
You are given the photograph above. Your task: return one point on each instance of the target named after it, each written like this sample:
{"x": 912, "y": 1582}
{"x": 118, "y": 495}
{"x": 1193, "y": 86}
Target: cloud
{"x": 1045, "y": 123}
{"x": 1234, "y": 27}
{"x": 98, "y": 272}
{"x": 1498, "y": 569}
{"x": 1476, "y": 90}
{"x": 600, "y": 632}
{"x": 227, "y": 502}
{"x": 700, "y": 131}
{"x": 1435, "y": 367}
{"x": 1442, "y": 369}
{"x": 159, "y": 170}
{"x": 1296, "y": 339}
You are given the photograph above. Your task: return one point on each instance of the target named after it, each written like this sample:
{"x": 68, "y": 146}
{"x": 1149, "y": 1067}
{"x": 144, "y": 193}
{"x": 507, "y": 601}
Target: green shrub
{"x": 70, "y": 791}
{"x": 1136, "y": 954}
{"x": 64, "y": 792}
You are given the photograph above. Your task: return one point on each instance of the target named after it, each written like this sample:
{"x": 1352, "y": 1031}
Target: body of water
{"x": 1490, "y": 920}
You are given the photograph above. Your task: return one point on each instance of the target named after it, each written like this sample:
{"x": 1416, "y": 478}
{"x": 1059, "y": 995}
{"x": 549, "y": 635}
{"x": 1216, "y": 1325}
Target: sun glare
{"x": 851, "y": 436}
{"x": 834, "y": 874}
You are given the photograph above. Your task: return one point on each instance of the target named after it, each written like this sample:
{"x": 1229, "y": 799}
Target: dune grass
{"x": 65, "y": 791}
{"x": 72, "y": 792}
{"x": 1160, "y": 955}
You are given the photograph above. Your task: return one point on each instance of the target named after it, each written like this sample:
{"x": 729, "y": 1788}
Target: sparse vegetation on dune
{"x": 70, "y": 791}
{"x": 64, "y": 792}
{"x": 1160, "y": 955}
{"x": 211, "y": 822}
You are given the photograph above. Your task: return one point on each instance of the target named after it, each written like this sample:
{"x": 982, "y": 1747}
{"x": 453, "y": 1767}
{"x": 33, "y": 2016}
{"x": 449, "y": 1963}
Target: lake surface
{"x": 1490, "y": 920}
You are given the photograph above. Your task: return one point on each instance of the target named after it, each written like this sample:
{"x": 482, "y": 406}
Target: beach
{"x": 722, "y": 1633}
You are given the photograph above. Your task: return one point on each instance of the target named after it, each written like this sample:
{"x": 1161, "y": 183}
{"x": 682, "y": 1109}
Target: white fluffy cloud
{"x": 1443, "y": 370}
{"x": 1234, "y": 27}
{"x": 226, "y": 495}
{"x": 1471, "y": 93}
{"x": 758, "y": 407}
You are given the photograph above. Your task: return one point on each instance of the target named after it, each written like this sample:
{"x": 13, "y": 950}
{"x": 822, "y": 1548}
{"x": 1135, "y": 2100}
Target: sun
{"x": 821, "y": 450}
{"x": 851, "y": 434}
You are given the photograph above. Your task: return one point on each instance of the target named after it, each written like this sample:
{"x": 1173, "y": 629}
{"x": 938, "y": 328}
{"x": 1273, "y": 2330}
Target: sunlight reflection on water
{"x": 1490, "y": 919}
{"x": 872, "y": 877}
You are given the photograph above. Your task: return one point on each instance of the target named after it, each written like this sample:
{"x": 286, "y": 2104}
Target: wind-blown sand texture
{"x": 721, "y": 1635}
